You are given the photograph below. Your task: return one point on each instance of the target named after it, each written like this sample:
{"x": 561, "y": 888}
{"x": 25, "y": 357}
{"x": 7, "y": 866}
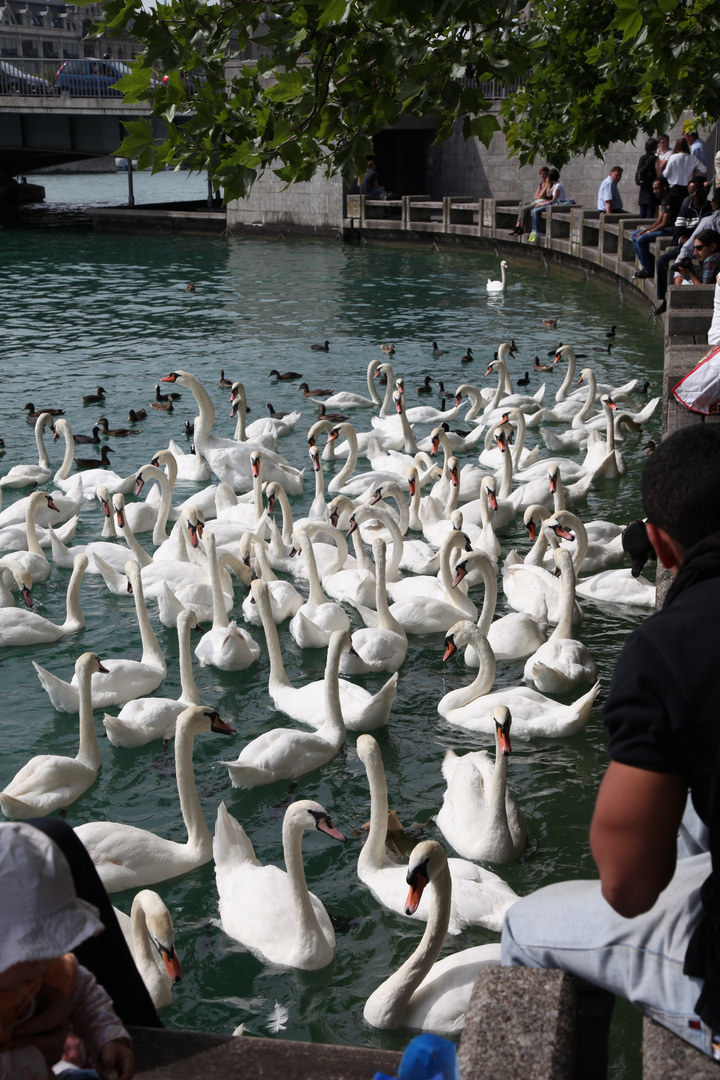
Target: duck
{"x": 382, "y": 647}
{"x": 611, "y": 332}
{"x": 480, "y": 897}
{"x": 324, "y": 347}
{"x": 533, "y": 713}
{"x": 426, "y": 388}
{"x": 33, "y": 413}
{"x": 172, "y": 395}
{"x": 127, "y": 857}
{"x": 122, "y": 679}
{"x": 479, "y": 816}
{"x": 542, "y": 367}
{"x": 423, "y": 994}
{"x": 313, "y": 623}
{"x": 437, "y": 351}
{"x": 552, "y": 323}
{"x": 222, "y": 381}
{"x": 561, "y": 663}
{"x": 361, "y": 711}
{"x": 93, "y": 399}
{"x": 524, "y": 381}
{"x": 228, "y": 459}
{"x": 270, "y": 911}
{"x": 467, "y": 357}
{"x": 334, "y": 418}
{"x": 162, "y": 406}
{"x": 89, "y": 440}
{"x": 150, "y": 924}
{"x": 225, "y": 646}
{"x": 388, "y": 348}
{"x": 189, "y": 429}
{"x": 286, "y": 376}
{"x": 498, "y": 286}
{"x": 117, "y": 433}
{"x": 49, "y": 782}
{"x": 273, "y": 414}
{"x": 102, "y": 462}
{"x": 21, "y": 476}
{"x": 307, "y": 392}
{"x": 144, "y": 719}
{"x": 18, "y": 626}
{"x": 285, "y": 753}
{"x": 136, "y": 415}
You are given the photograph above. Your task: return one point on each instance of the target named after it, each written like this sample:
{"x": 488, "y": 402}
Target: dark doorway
{"x": 401, "y": 160}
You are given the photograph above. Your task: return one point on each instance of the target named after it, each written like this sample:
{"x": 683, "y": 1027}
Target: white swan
{"x": 228, "y": 459}
{"x": 122, "y": 679}
{"x": 282, "y": 754}
{"x": 480, "y": 897}
{"x": 361, "y": 710}
{"x": 33, "y": 560}
{"x": 561, "y": 663}
{"x": 345, "y": 482}
{"x": 14, "y": 577}
{"x": 269, "y": 910}
{"x": 382, "y": 647}
{"x": 602, "y": 458}
{"x": 21, "y": 627}
{"x": 347, "y": 400}
{"x": 146, "y": 718}
{"x": 498, "y": 286}
{"x": 89, "y": 479}
{"x": 150, "y": 921}
{"x": 48, "y": 782}
{"x": 471, "y": 706}
{"x": 285, "y": 600}
{"x": 126, "y": 857}
{"x": 479, "y": 816}
{"x": 192, "y": 467}
{"x": 21, "y": 476}
{"x": 313, "y": 623}
{"x": 618, "y": 587}
{"x": 424, "y": 994}
{"x": 264, "y": 431}
{"x": 435, "y": 611}
{"x": 226, "y": 646}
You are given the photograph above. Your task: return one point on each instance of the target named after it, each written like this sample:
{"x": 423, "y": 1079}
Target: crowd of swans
{"x": 232, "y": 563}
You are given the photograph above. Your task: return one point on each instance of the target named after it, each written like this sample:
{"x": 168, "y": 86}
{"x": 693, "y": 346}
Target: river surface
{"x": 82, "y": 310}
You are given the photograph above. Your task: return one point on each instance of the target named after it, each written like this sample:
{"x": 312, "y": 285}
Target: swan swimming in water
{"x": 498, "y": 286}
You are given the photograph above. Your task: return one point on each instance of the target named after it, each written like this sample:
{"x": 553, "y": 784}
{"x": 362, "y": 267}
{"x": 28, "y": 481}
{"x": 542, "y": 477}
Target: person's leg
{"x": 570, "y": 926}
{"x": 642, "y": 249}
{"x": 107, "y": 955}
{"x": 661, "y": 271}
{"x": 535, "y": 217}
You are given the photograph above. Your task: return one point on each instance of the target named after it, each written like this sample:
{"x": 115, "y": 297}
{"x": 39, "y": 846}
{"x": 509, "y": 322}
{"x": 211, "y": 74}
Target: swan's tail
{"x": 121, "y": 734}
{"x": 63, "y": 695}
{"x": 62, "y": 556}
{"x": 18, "y": 811}
{"x": 115, "y": 581}
{"x": 231, "y": 847}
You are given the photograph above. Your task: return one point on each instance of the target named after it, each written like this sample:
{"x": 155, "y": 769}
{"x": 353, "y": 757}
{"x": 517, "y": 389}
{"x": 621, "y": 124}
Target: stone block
{"x": 520, "y": 1025}
{"x": 666, "y": 1057}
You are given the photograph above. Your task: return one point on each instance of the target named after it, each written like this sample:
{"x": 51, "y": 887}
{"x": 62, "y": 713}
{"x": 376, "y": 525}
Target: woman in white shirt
{"x": 680, "y": 167}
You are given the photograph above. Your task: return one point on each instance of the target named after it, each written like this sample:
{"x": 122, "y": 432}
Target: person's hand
{"x": 49, "y": 1027}
{"x": 117, "y": 1061}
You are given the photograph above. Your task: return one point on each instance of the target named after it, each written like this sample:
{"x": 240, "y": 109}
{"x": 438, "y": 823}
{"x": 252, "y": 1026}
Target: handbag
{"x": 699, "y": 390}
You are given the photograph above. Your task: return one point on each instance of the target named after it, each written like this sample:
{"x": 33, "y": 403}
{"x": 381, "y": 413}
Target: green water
{"x": 83, "y": 310}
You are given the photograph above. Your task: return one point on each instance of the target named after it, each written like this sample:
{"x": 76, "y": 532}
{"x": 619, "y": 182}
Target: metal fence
{"x": 53, "y": 76}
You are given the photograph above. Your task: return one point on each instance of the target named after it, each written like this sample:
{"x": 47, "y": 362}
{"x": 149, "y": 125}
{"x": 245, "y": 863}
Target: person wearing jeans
{"x": 661, "y": 226}
{"x": 557, "y": 194}
{"x": 693, "y": 209}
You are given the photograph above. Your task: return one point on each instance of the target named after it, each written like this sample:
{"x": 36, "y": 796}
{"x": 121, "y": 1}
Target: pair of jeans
{"x": 662, "y": 265}
{"x": 536, "y": 217}
{"x": 642, "y": 243}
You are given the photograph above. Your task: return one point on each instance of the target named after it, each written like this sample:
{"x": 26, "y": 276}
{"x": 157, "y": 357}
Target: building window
{"x": 120, "y": 54}
{"x": 37, "y": 20}
{"x": 70, "y": 52}
{"x": 89, "y": 48}
{"x": 8, "y": 47}
{"x": 30, "y": 48}
{"x": 50, "y": 50}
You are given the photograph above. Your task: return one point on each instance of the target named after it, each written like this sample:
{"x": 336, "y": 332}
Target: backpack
{"x": 646, "y": 173}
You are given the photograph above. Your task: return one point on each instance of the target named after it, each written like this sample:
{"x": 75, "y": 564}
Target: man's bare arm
{"x": 633, "y": 835}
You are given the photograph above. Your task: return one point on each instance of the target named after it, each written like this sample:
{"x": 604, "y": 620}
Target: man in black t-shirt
{"x": 370, "y": 183}
{"x": 650, "y": 928}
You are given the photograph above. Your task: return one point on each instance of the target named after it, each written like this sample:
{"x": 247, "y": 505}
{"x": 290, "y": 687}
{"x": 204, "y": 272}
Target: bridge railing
{"x": 46, "y": 77}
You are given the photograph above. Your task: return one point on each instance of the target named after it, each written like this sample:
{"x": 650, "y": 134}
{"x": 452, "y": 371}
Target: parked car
{"x": 90, "y": 77}
{"x": 15, "y": 81}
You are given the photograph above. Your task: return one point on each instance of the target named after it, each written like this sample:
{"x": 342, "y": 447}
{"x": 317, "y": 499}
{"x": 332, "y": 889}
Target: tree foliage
{"x": 333, "y": 73}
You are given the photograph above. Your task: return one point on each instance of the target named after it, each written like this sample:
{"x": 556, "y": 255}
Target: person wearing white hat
{"x": 44, "y": 993}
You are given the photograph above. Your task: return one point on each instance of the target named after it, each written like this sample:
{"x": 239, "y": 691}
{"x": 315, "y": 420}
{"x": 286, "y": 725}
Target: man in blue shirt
{"x": 698, "y": 147}
{"x": 608, "y": 195}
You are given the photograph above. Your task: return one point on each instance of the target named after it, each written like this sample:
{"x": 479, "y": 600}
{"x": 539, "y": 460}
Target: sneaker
{"x": 642, "y": 274}
{"x": 661, "y": 308}
{"x": 532, "y": 238}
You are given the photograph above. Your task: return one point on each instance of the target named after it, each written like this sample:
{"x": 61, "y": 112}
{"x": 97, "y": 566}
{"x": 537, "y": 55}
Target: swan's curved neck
{"x": 278, "y": 676}
{"x": 451, "y": 541}
{"x": 374, "y": 854}
{"x": 197, "y": 829}
{"x": 188, "y": 687}
{"x": 567, "y": 602}
{"x": 316, "y": 595}
{"x": 452, "y": 497}
{"x": 240, "y": 435}
{"x": 74, "y": 618}
{"x": 43, "y": 459}
{"x": 69, "y": 456}
{"x": 476, "y": 399}
{"x": 394, "y": 491}
{"x": 489, "y": 577}
{"x": 589, "y": 403}
{"x": 383, "y": 515}
{"x": 258, "y": 494}
{"x": 506, "y": 475}
{"x": 308, "y": 927}
{"x": 89, "y": 749}
{"x": 386, "y": 620}
{"x": 206, "y": 419}
{"x": 349, "y": 467}
{"x": 287, "y": 517}
{"x": 387, "y": 400}
{"x": 562, "y": 393}
{"x": 220, "y": 615}
{"x": 139, "y": 553}
{"x": 159, "y": 530}
{"x": 316, "y": 528}
{"x": 30, "y": 530}
{"x": 333, "y": 729}
{"x": 152, "y": 654}
{"x": 518, "y": 416}
{"x": 408, "y": 433}
{"x": 482, "y": 683}
{"x": 319, "y": 478}
{"x": 142, "y": 950}
{"x": 372, "y": 389}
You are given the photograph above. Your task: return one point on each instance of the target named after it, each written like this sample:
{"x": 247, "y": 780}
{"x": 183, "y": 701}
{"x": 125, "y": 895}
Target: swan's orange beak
{"x": 411, "y": 488}
{"x": 101, "y": 666}
{"x": 563, "y": 533}
{"x": 553, "y": 483}
{"x": 139, "y": 485}
{"x": 376, "y": 497}
{"x": 489, "y": 370}
{"x": 435, "y": 444}
{"x": 492, "y": 499}
{"x": 315, "y": 462}
{"x": 454, "y": 476}
{"x": 501, "y": 441}
{"x": 271, "y": 502}
{"x": 172, "y": 964}
{"x": 51, "y": 504}
{"x": 532, "y": 529}
{"x": 398, "y": 405}
{"x": 460, "y": 573}
{"x": 106, "y": 508}
{"x": 120, "y": 515}
{"x": 503, "y": 737}
{"x": 172, "y": 377}
{"x": 255, "y": 465}
{"x": 334, "y": 518}
{"x": 27, "y": 596}
{"x": 353, "y": 526}
{"x": 219, "y": 726}
{"x": 194, "y": 540}
{"x": 611, "y": 403}
{"x": 458, "y": 399}
{"x": 334, "y": 434}
{"x": 558, "y": 358}
{"x": 450, "y": 647}
{"x": 417, "y": 886}
{"x": 324, "y": 824}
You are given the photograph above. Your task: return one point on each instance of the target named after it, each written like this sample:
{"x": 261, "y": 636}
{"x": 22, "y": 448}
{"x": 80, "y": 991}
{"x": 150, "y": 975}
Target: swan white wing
{"x": 441, "y": 1000}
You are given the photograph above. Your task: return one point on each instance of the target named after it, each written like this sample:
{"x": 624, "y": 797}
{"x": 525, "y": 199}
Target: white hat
{"x": 40, "y": 915}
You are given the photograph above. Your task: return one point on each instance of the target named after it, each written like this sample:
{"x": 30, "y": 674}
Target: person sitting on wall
{"x": 661, "y": 226}
{"x": 557, "y": 195}
{"x": 706, "y": 248}
{"x": 541, "y": 197}
{"x": 693, "y": 209}
{"x": 609, "y": 199}
{"x": 370, "y": 185}
{"x": 649, "y": 929}
{"x": 645, "y": 176}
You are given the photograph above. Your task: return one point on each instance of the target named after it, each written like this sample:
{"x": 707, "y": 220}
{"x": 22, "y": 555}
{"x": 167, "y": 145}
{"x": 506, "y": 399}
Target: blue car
{"x": 90, "y": 77}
